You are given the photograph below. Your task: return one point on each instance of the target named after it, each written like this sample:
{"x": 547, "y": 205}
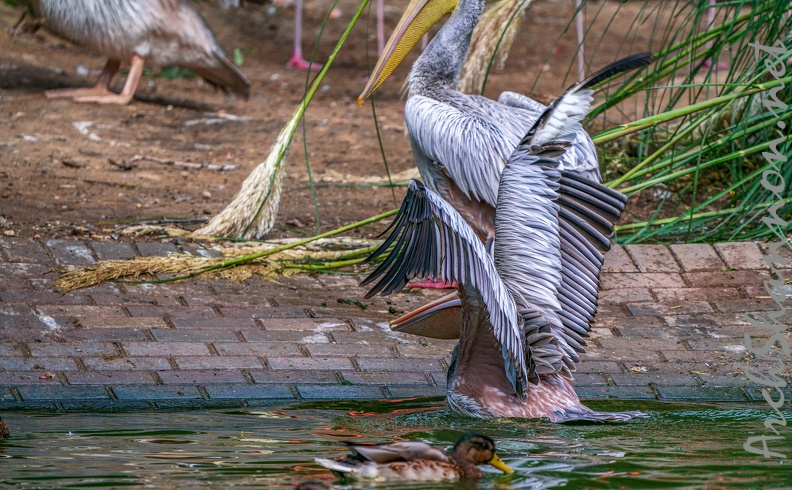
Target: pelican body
{"x": 157, "y": 32}
{"x": 462, "y": 142}
{"x": 526, "y": 297}
{"x": 417, "y": 461}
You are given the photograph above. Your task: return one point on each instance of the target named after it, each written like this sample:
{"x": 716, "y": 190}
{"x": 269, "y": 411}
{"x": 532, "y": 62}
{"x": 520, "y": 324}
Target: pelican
{"x": 462, "y": 142}
{"x": 529, "y": 294}
{"x": 158, "y": 32}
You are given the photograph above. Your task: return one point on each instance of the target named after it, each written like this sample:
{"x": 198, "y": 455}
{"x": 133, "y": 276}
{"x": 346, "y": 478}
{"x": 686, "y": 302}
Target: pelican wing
{"x": 562, "y": 115}
{"x": 587, "y": 212}
{"x": 513, "y": 99}
{"x": 431, "y": 239}
{"x": 471, "y": 148}
{"x": 515, "y": 121}
{"x": 515, "y": 114}
{"x": 527, "y": 254}
{"x": 551, "y": 228}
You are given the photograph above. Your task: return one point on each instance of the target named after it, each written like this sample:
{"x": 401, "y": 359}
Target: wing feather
{"x": 470, "y": 148}
{"x": 430, "y": 239}
{"x": 397, "y": 451}
{"x": 551, "y": 230}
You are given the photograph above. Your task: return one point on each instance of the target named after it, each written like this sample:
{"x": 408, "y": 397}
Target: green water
{"x": 679, "y": 446}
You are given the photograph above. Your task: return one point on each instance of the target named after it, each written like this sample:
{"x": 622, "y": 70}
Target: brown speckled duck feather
{"x": 417, "y": 461}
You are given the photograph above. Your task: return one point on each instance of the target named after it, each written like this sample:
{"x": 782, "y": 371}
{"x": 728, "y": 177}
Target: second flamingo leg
{"x": 297, "y": 61}
{"x": 709, "y": 62}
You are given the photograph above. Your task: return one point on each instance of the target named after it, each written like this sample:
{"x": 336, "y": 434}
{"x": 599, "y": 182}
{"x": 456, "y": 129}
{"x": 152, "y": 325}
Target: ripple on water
{"x": 678, "y": 446}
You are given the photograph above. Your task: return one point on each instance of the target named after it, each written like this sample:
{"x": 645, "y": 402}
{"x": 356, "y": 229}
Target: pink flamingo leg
{"x": 716, "y": 66}
{"x": 380, "y": 26}
{"x": 580, "y": 38}
{"x": 297, "y": 62}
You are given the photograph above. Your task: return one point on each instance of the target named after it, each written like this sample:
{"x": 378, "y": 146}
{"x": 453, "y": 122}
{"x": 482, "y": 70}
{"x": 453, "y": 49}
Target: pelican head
{"x": 416, "y": 21}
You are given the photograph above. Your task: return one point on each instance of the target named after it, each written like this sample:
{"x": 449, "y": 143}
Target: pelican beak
{"x": 416, "y": 21}
{"x": 498, "y": 463}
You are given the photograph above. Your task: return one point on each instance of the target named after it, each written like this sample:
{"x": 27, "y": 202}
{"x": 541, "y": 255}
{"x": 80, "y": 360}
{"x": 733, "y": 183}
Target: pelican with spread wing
{"x": 529, "y": 293}
{"x": 462, "y": 142}
{"x": 445, "y": 311}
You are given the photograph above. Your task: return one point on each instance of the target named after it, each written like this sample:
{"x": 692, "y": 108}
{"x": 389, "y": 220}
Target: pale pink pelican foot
{"x": 130, "y": 86}
{"x": 101, "y": 87}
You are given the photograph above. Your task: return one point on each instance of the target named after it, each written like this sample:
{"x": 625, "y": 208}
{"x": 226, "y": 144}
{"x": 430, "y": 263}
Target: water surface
{"x": 678, "y": 446}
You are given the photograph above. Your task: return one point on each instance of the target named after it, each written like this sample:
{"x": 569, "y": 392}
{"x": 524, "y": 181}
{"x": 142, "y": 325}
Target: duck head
{"x": 475, "y": 449}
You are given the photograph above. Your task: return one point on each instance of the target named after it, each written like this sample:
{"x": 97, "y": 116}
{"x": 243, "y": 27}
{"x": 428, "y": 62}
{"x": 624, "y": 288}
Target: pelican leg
{"x": 135, "y": 71}
{"x": 26, "y": 27}
{"x": 297, "y": 62}
{"x": 100, "y": 88}
{"x": 432, "y": 284}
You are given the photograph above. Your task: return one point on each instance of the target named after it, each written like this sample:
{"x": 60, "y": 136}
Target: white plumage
{"x": 155, "y": 32}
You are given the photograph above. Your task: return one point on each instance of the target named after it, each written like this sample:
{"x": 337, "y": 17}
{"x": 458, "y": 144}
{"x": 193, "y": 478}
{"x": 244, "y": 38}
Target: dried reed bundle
{"x": 496, "y": 31}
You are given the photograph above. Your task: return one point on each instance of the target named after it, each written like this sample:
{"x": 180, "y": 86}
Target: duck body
{"x": 417, "y": 461}
{"x": 157, "y": 32}
{"x": 404, "y": 471}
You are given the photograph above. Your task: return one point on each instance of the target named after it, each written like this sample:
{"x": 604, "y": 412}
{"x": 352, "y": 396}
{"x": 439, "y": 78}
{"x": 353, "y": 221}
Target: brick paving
{"x": 670, "y": 327}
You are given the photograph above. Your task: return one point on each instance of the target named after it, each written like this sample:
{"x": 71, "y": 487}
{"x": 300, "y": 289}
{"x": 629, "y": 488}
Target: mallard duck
{"x": 527, "y": 297}
{"x": 157, "y": 32}
{"x": 417, "y": 461}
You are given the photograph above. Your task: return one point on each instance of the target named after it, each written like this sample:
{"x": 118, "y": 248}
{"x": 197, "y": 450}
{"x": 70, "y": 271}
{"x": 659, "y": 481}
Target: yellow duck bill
{"x": 498, "y": 463}
{"x": 416, "y": 21}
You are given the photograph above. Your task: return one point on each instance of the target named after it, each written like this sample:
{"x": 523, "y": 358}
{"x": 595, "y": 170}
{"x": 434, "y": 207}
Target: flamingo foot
{"x": 299, "y": 63}
{"x": 432, "y": 284}
{"x": 716, "y": 66}
{"x": 73, "y": 93}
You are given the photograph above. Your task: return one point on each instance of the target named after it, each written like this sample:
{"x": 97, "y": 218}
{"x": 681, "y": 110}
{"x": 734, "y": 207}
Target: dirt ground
{"x": 56, "y": 172}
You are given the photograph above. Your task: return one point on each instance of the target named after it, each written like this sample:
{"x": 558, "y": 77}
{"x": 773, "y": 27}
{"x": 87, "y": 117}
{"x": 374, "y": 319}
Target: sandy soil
{"x": 56, "y": 172}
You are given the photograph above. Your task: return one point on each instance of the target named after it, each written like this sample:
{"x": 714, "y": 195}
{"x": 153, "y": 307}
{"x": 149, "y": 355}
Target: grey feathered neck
{"x": 437, "y": 70}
